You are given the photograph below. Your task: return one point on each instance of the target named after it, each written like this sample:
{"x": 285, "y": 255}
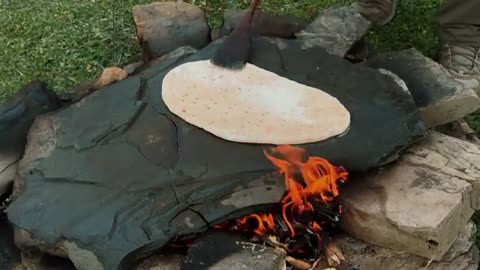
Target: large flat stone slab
{"x": 326, "y": 72}
{"x": 440, "y": 98}
{"x": 113, "y": 178}
{"x": 419, "y": 204}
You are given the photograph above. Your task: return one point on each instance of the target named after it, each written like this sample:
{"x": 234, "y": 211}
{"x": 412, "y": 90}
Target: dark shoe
{"x": 377, "y": 11}
{"x": 463, "y": 63}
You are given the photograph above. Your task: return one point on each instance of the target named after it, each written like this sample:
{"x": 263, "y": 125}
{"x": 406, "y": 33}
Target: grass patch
{"x": 412, "y": 26}
{"x": 67, "y": 42}
{"x": 474, "y": 121}
{"x": 61, "y": 42}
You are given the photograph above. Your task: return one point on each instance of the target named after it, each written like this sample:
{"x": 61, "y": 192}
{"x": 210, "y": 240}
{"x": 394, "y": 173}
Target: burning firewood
{"x": 273, "y": 241}
{"x": 315, "y": 264}
{"x": 302, "y": 222}
{"x": 334, "y": 255}
{"x": 298, "y": 264}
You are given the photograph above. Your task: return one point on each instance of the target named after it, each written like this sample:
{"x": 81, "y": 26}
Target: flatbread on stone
{"x": 252, "y": 105}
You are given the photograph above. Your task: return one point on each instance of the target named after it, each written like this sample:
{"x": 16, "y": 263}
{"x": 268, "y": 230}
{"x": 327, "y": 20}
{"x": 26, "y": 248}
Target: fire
{"x": 302, "y": 221}
{"x": 312, "y": 184}
{"x": 320, "y": 182}
{"x": 265, "y": 223}
{"x": 308, "y": 211}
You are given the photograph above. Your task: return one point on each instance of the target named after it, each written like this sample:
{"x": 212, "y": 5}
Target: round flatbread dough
{"x": 252, "y": 105}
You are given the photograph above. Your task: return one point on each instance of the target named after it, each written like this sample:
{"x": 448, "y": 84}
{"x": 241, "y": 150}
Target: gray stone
{"x": 161, "y": 262}
{"x": 362, "y": 256}
{"x": 459, "y": 129}
{"x": 132, "y": 67}
{"x": 463, "y": 244}
{"x": 83, "y": 259}
{"x": 336, "y": 29}
{"x": 397, "y": 79}
{"x": 419, "y": 204}
{"x": 9, "y": 254}
{"x": 121, "y": 186}
{"x": 179, "y": 53}
{"x": 29, "y": 244}
{"x": 162, "y": 63}
{"x": 220, "y": 251}
{"x": 34, "y": 260}
{"x": 439, "y": 97}
{"x": 265, "y": 24}
{"x": 164, "y": 26}
{"x": 16, "y": 116}
{"x": 451, "y": 156}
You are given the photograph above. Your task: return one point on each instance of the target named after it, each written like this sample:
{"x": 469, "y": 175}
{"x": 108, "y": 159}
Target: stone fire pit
{"x": 108, "y": 177}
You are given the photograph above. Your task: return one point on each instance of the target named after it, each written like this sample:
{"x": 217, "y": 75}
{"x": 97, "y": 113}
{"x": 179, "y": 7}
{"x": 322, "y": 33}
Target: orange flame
{"x": 320, "y": 184}
{"x": 319, "y": 176}
{"x": 265, "y": 223}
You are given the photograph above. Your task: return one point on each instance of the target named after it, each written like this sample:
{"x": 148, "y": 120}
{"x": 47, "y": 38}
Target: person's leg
{"x": 459, "y": 36}
{"x": 459, "y": 22}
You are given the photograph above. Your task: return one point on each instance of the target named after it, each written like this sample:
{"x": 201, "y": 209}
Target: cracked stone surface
{"x": 336, "y": 29}
{"x": 440, "y": 98}
{"x": 164, "y": 26}
{"x": 161, "y": 262}
{"x": 236, "y": 253}
{"x": 363, "y": 256}
{"x": 16, "y": 116}
{"x": 264, "y": 23}
{"x": 113, "y": 178}
{"x": 421, "y": 203}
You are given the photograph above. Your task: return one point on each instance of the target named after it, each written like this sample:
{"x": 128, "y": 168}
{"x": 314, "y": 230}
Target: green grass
{"x": 67, "y": 42}
{"x": 413, "y": 26}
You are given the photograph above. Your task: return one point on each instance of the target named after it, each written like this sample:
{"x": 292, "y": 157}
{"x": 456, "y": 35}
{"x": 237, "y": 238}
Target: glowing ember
{"x": 308, "y": 206}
